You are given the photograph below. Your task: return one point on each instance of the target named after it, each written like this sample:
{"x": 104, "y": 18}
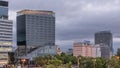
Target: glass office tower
{"x": 35, "y": 28}
{"x": 104, "y": 38}
{"x": 4, "y": 9}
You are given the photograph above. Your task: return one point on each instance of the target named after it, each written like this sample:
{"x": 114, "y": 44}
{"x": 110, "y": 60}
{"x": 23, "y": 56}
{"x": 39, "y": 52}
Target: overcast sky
{"x": 76, "y": 20}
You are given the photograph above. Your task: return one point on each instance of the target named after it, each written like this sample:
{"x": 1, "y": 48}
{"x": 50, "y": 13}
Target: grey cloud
{"x": 77, "y": 19}
{"x": 88, "y": 26}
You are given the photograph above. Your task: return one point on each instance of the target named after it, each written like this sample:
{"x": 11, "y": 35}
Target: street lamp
{"x": 118, "y": 57}
{"x": 78, "y": 62}
{"x": 94, "y": 60}
{"x": 79, "y": 58}
{"x": 23, "y": 61}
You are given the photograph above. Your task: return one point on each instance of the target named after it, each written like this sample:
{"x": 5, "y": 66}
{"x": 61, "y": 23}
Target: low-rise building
{"x": 86, "y": 50}
{"x": 59, "y": 51}
{"x": 69, "y": 51}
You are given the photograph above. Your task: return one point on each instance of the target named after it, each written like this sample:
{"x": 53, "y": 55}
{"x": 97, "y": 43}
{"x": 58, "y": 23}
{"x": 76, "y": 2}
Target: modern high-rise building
{"x": 3, "y": 9}
{"x": 104, "y": 38}
{"x": 5, "y": 33}
{"x": 35, "y": 28}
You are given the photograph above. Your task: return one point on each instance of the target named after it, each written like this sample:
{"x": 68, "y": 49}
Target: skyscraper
{"x": 104, "y": 38}
{"x": 5, "y": 33}
{"x": 35, "y": 28}
{"x": 4, "y": 9}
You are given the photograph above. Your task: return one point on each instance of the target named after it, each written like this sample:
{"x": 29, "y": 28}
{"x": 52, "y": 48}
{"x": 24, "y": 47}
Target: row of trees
{"x": 88, "y": 62}
{"x": 66, "y": 61}
{"x": 56, "y": 61}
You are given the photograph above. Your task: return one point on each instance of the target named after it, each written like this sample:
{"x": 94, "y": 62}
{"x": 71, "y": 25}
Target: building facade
{"x": 69, "y": 51}
{"x": 42, "y": 51}
{"x": 97, "y": 50}
{"x": 4, "y": 9}
{"x": 104, "y": 38}
{"x": 35, "y": 28}
{"x": 86, "y": 50}
{"x": 5, "y": 33}
{"x": 58, "y": 50}
{"x": 5, "y": 40}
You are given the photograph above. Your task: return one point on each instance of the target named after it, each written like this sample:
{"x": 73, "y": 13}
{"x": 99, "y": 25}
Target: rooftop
{"x": 104, "y": 32}
{"x": 3, "y": 3}
{"x": 35, "y": 12}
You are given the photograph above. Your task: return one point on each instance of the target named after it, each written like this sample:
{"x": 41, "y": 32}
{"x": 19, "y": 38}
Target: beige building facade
{"x": 86, "y": 50}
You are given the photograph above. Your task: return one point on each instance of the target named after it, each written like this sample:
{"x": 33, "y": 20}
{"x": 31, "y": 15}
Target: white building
{"x": 97, "y": 51}
{"x": 5, "y": 40}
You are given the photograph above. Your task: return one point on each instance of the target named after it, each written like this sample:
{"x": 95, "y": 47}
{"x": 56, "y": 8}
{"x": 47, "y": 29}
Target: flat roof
{"x": 6, "y": 20}
{"x": 3, "y": 3}
{"x": 35, "y": 12}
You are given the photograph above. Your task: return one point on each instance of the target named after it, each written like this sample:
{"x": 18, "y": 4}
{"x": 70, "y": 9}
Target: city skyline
{"x": 76, "y": 24}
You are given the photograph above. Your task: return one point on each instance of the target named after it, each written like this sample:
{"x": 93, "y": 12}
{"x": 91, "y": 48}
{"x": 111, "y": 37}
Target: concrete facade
{"x": 6, "y": 40}
{"x": 86, "y": 50}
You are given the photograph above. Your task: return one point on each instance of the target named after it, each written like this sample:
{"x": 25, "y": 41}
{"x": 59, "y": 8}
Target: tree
{"x": 101, "y": 63}
{"x": 114, "y": 62}
{"x": 66, "y": 58}
{"x": 118, "y": 52}
{"x": 88, "y": 62}
{"x": 51, "y": 66}
{"x": 40, "y": 61}
{"x": 55, "y": 62}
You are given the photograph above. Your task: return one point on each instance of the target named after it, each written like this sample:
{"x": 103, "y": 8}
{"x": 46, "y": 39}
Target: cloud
{"x": 12, "y": 16}
{"x": 76, "y": 19}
